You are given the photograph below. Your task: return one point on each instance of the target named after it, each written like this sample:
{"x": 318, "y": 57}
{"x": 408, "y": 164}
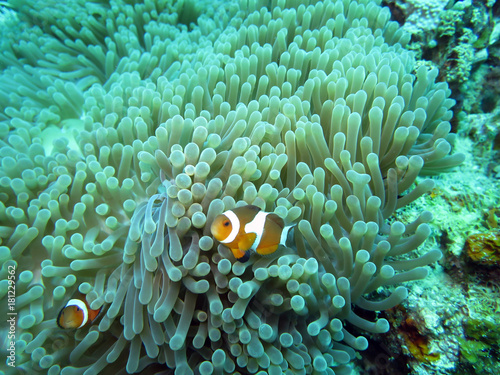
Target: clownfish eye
{"x": 226, "y": 223}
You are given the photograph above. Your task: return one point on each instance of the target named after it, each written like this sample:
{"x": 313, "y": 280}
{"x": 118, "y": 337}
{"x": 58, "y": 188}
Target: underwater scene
{"x": 249, "y": 187}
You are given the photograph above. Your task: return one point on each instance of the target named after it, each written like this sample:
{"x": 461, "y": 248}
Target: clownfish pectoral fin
{"x": 246, "y": 241}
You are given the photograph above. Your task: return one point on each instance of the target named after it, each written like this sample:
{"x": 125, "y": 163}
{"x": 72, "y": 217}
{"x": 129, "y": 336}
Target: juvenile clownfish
{"x": 76, "y": 314}
{"x": 246, "y": 229}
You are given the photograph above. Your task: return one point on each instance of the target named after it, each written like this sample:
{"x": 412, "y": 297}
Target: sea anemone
{"x": 126, "y": 128}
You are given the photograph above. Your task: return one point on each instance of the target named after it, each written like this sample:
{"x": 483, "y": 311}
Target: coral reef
{"x": 479, "y": 349}
{"x": 422, "y": 18}
{"x": 484, "y": 248}
{"x": 415, "y": 343}
{"x": 461, "y": 39}
{"x": 465, "y": 203}
{"x": 126, "y": 128}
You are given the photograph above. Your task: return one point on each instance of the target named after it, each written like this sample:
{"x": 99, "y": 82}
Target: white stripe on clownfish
{"x": 257, "y": 226}
{"x": 235, "y": 223}
{"x": 284, "y": 234}
{"x": 81, "y": 305}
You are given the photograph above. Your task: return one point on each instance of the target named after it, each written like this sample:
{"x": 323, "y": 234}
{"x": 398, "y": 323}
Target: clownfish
{"x": 76, "y": 314}
{"x": 246, "y": 229}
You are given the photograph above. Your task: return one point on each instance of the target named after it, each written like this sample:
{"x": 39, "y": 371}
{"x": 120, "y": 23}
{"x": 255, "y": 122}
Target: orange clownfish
{"x": 76, "y": 314}
{"x": 246, "y": 229}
